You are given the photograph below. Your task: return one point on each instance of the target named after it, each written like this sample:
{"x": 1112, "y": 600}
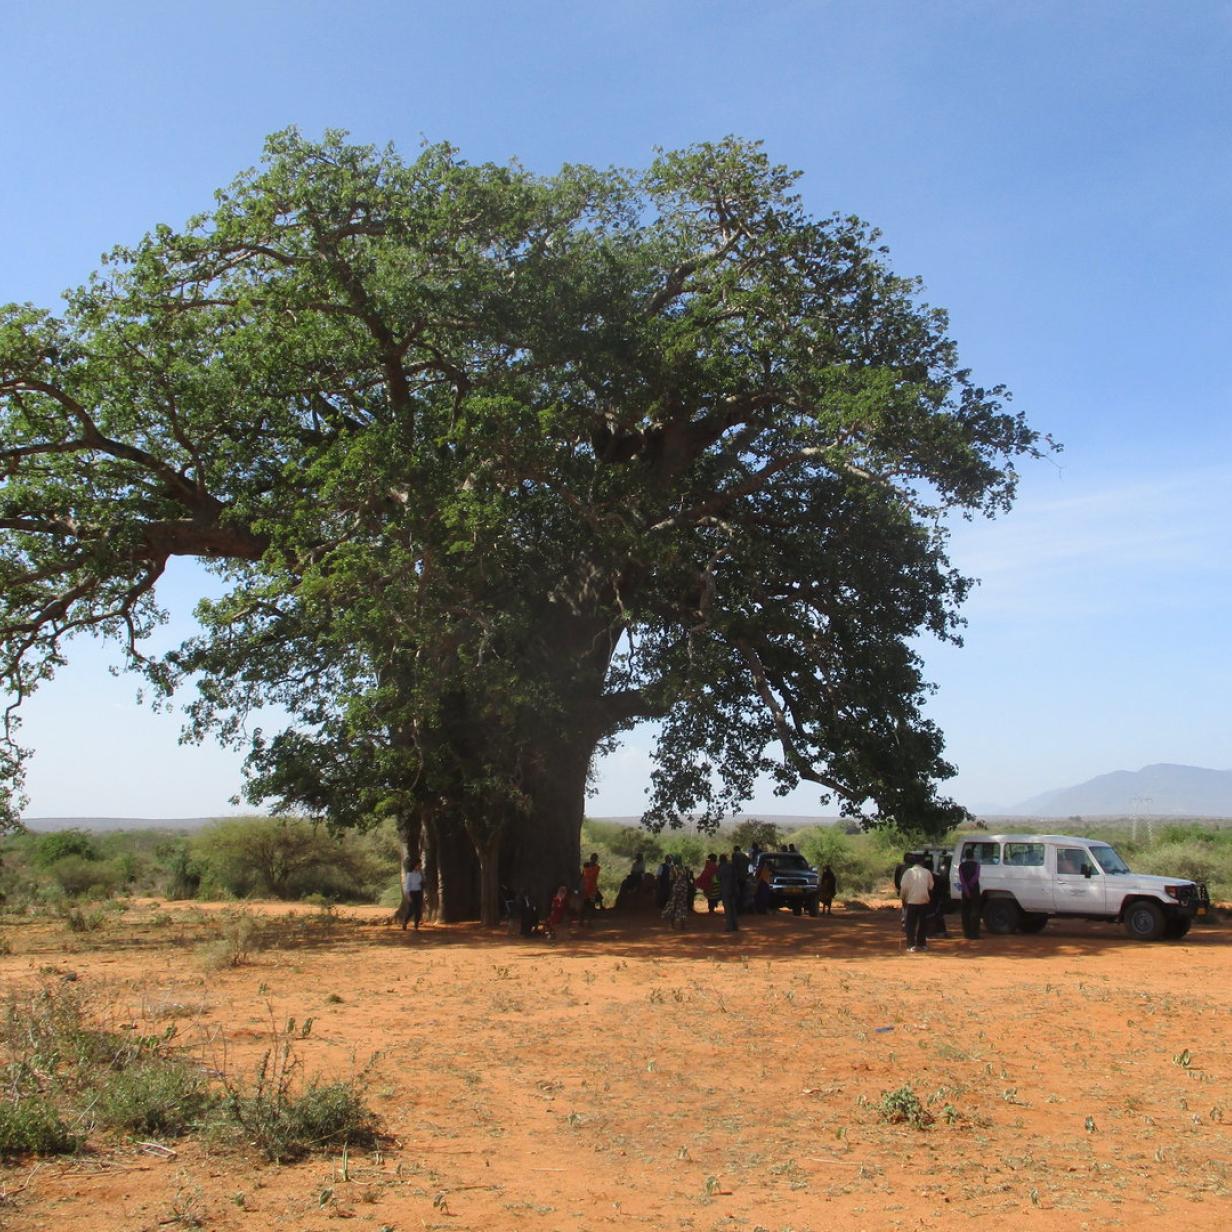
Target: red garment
{"x": 590, "y": 880}
{"x": 557, "y": 912}
{"x": 706, "y": 876}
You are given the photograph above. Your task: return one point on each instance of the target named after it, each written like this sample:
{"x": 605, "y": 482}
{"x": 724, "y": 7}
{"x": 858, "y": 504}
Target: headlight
{"x": 1173, "y": 891}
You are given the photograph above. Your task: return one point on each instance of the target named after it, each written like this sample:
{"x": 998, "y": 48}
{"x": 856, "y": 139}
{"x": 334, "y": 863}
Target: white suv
{"x": 1027, "y": 878}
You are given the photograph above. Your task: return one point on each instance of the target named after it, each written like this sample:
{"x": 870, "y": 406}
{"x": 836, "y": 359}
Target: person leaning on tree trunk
{"x": 413, "y": 888}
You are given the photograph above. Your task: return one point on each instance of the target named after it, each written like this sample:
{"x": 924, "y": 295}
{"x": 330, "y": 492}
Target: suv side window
{"x": 1025, "y": 855}
{"x": 982, "y": 853}
{"x": 1071, "y": 861}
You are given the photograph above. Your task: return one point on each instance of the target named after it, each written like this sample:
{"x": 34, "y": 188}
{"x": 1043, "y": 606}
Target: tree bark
{"x": 487, "y": 849}
{"x": 543, "y": 849}
{"x": 451, "y": 870}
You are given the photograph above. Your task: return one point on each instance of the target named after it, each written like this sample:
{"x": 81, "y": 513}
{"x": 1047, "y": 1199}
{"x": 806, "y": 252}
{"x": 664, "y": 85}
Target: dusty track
{"x": 629, "y": 1077}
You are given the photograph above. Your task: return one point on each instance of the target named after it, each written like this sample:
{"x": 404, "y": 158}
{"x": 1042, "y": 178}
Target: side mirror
{"x": 1088, "y": 871}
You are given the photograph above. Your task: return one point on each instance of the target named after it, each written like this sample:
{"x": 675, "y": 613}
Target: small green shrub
{"x": 158, "y": 1096}
{"x": 286, "y": 1127}
{"x": 61, "y": 1067}
{"x": 47, "y": 1033}
{"x": 283, "y": 1118}
{"x": 30, "y": 1125}
{"x": 903, "y": 1106}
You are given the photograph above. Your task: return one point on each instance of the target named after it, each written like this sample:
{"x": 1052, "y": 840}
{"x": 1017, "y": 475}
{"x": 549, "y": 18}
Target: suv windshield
{"x": 789, "y": 860}
{"x": 1108, "y": 859}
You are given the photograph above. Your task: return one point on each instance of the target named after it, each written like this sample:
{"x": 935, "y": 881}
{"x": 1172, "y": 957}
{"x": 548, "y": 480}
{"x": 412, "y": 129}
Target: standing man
{"x": 827, "y": 888}
{"x": 740, "y": 865}
{"x": 969, "y": 880}
{"x": 916, "y": 888}
{"x": 729, "y": 892}
{"x": 412, "y": 887}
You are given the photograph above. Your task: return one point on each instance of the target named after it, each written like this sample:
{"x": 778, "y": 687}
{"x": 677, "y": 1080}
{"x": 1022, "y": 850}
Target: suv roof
{"x": 1029, "y": 838}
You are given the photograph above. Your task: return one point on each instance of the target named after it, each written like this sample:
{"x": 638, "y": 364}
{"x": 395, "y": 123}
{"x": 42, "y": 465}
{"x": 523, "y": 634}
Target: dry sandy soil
{"x": 629, "y": 1077}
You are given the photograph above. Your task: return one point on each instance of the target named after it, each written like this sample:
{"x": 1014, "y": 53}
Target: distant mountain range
{"x": 1162, "y": 790}
{"x": 99, "y": 824}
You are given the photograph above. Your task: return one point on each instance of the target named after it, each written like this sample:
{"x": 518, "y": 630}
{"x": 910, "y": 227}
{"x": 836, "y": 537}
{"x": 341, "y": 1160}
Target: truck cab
{"x": 794, "y": 882}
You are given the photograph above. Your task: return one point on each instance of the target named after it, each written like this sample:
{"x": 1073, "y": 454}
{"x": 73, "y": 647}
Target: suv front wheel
{"x": 1145, "y": 920}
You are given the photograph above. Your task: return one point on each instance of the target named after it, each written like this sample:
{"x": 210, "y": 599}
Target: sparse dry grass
{"x": 630, "y": 1077}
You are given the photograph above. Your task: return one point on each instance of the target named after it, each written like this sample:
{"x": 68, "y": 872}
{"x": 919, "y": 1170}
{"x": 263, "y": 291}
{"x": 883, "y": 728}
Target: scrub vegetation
{"x": 292, "y": 860}
{"x": 70, "y": 1076}
{"x": 283, "y": 858}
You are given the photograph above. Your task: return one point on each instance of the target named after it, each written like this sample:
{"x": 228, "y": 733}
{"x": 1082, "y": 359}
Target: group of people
{"x": 724, "y": 881}
{"x": 924, "y": 900}
{"x": 735, "y": 880}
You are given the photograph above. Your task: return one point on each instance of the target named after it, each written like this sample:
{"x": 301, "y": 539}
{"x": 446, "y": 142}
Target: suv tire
{"x": 1033, "y": 922}
{"x": 1002, "y": 916}
{"x": 1145, "y": 920}
{"x": 1177, "y": 927}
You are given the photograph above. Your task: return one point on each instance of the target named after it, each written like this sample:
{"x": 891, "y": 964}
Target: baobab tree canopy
{"x": 495, "y": 465}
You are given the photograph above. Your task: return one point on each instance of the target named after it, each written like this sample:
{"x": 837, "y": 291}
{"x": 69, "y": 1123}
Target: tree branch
{"x": 782, "y": 725}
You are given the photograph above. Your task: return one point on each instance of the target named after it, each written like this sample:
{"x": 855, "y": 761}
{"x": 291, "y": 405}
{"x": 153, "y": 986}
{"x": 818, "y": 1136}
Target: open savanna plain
{"x": 799, "y": 1075}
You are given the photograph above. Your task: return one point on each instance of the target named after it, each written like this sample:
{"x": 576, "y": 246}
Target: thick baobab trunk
{"x": 542, "y": 850}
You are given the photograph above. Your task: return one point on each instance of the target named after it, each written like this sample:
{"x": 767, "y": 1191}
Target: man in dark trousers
{"x": 729, "y": 892}
{"x": 916, "y": 890}
{"x": 969, "y": 879}
{"x": 740, "y": 864}
{"x": 413, "y": 888}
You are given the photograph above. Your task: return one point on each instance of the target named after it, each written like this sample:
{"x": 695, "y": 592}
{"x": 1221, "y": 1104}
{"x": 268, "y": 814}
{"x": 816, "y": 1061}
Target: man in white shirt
{"x": 412, "y": 887}
{"x": 917, "y": 886}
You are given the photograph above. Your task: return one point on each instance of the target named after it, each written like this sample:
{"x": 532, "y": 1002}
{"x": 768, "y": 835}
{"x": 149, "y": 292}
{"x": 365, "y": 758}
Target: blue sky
{"x": 1058, "y": 173}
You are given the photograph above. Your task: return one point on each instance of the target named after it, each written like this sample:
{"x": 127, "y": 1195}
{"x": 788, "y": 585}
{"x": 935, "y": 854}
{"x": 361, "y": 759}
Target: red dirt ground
{"x": 629, "y": 1077}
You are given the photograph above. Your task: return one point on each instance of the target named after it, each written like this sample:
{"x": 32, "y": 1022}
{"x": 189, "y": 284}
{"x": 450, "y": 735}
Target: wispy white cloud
{"x": 1165, "y": 538}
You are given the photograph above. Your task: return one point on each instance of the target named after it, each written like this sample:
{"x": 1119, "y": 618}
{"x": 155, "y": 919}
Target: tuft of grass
{"x": 78, "y": 921}
{"x": 234, "y": 948}
{"x": 285, "y": 1127}
{"x": 286, "y": 1119}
